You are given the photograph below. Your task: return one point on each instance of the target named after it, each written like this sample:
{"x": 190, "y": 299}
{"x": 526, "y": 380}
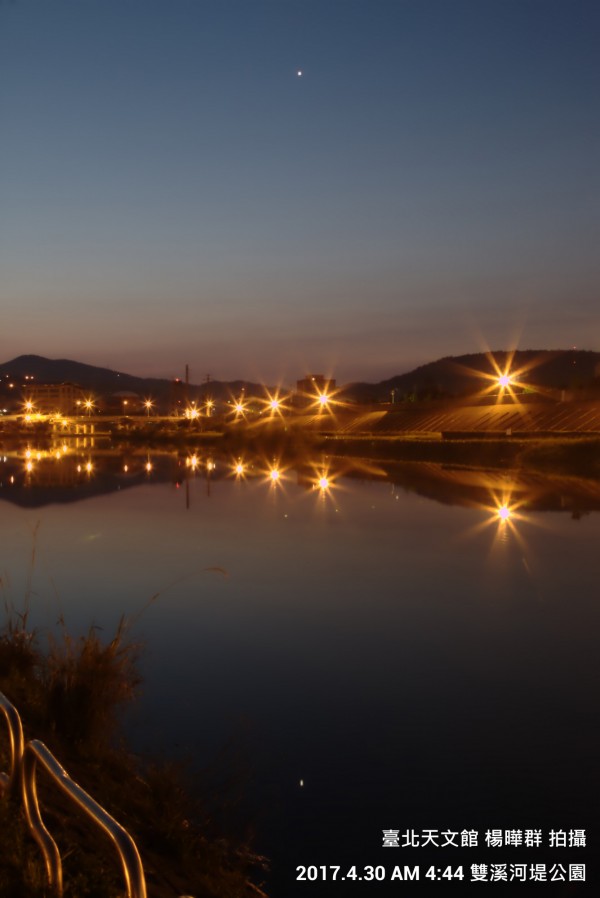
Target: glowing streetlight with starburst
{"x": 275, "y": 404}
{"x": 503, "y": 381}
{"x": 504, "y": 513}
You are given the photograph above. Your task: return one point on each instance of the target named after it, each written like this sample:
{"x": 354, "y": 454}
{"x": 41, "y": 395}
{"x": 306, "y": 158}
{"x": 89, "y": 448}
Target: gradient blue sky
{"x": 172, "y": 192}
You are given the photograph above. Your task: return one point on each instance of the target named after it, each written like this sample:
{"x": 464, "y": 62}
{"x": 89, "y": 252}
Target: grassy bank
{"x": 70, "y": 694}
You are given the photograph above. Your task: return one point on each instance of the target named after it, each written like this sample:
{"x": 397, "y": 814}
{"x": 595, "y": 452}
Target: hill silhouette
{"x": 466, "y": 375}
{"x": 451, "y": 376}
{"x": 105, "y": 381}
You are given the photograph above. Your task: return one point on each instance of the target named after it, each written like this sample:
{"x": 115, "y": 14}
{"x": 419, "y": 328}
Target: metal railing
{"x": 25, "y": 759}
{"x": 36, "y": 753}
{"x": 10, "y": 782}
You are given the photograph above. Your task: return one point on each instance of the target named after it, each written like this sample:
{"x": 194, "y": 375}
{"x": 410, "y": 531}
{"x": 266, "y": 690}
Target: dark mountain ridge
{"x": 451, "y": 376}
{"x": 105, "y": 381}
{"x": 467, "y": 375}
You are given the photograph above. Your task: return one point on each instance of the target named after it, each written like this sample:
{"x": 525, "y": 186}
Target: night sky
{"x": 172, "y": 191}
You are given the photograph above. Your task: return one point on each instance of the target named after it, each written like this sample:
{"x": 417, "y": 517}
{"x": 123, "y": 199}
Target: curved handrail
{"x": 36, "y": 752}
{"x": 9, "y": 782}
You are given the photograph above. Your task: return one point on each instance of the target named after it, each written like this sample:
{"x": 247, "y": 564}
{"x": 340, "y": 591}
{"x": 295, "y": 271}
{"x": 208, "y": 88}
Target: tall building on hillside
{"x": 48, "y": 399}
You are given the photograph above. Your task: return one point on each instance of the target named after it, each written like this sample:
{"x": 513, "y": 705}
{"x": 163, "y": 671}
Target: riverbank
{"x": 566, "y": 453}
{"x": 576, "y": 456}
{"x": 70, "y": 695}
{"x": 573, "y": 453}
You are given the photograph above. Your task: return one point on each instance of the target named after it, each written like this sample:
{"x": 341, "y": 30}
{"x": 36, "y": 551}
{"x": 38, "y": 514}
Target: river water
{"x": 384, "y": 653}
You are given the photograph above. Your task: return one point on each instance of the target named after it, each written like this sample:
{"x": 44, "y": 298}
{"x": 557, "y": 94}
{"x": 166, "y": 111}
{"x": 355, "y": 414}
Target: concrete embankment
{"x": 569, "y": 455}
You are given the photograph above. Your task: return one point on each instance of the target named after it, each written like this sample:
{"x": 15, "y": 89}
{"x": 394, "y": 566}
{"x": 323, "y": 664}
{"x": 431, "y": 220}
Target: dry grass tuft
{"x": 70, "y": 696}
{"x": 87, "y": 683}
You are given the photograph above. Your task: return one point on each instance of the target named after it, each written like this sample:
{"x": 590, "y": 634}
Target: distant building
{"x": 311, "y": 388}
{"x": 49, "y": 399}
{"x": 124, "y": 402}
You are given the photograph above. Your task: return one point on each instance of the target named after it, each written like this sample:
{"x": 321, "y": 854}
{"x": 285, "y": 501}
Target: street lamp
{"x": 275, "y": 404}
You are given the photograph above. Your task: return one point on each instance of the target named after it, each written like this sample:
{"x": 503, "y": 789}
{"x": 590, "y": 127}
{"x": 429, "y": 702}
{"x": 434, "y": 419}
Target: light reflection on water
{"x": 415, "y": 643}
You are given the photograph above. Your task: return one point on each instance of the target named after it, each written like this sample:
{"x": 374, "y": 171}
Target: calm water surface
{"x": 388, "y": 652}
